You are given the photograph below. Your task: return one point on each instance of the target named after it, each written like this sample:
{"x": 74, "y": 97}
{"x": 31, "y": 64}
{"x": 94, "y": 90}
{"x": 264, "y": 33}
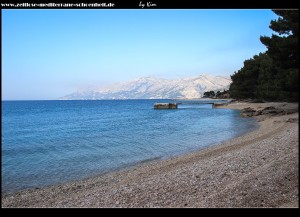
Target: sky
{"x": 47, "y": 54}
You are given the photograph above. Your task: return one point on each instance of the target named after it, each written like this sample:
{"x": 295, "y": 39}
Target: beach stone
{"x": 247, "y": 112}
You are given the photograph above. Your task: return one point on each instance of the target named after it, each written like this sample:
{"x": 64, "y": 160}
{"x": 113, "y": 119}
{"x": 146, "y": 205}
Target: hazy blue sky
{"x": 50, "y": 53}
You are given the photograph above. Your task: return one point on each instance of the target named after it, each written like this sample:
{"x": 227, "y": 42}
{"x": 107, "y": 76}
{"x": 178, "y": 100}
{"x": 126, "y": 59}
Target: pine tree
{"x": 272, "y": 75}
{"x": 283, "y": 50}
{"x": 284, "y": 46}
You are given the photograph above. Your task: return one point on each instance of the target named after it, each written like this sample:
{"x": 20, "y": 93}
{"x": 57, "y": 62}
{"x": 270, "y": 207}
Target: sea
{"x": 56, "y": 141}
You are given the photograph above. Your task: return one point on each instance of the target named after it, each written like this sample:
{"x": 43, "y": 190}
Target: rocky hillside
{"x": 155, "y": 88}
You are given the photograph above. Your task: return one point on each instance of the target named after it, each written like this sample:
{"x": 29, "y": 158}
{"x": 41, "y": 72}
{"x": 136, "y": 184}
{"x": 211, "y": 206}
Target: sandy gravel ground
{"x": 259, "y": 169}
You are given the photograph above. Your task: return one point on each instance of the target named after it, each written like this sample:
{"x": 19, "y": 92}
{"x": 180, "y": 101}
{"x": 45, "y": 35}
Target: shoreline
{"x": 257, "y": 169}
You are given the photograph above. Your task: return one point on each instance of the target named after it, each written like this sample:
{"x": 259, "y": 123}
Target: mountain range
{"x": 155, "y": 88}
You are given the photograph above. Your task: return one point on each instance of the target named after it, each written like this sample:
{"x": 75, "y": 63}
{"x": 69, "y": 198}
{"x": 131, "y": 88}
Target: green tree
{"x": 283, "y": 47}
{"x": 272, "y": 75}
{"x": 245, "y": 81}
{"x": 283, "y": 50}
{"x": 209, "y": 94}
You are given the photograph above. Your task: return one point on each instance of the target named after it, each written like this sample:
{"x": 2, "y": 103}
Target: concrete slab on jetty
{"x": 165, "y": 105}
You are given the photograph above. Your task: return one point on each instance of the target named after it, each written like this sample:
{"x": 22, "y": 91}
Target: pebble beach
{"x": 257, "y": 169}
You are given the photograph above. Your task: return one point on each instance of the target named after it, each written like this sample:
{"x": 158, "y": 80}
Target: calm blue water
{"x": 50, "y": 142}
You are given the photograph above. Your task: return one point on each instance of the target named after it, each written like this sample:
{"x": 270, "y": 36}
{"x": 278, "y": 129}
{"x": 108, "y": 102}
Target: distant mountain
{"x": 155, "y": 88}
